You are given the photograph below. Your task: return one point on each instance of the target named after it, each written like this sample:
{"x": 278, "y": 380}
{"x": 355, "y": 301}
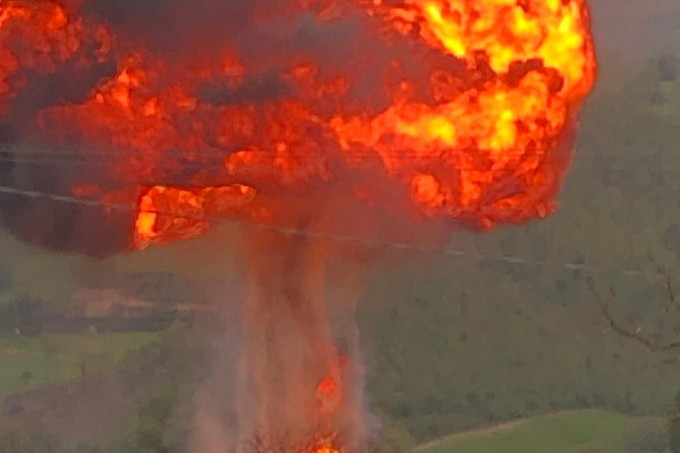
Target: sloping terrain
{"x": 566, "y": 432}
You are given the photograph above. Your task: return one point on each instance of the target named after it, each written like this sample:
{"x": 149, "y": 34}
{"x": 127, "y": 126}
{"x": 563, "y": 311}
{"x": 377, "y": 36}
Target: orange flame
{"x": 326, "y": 448}
{"x": 475, "y": 138}
{"x": 190, "y": 211}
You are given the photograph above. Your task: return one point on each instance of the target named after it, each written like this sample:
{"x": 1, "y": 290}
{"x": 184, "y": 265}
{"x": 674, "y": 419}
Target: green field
{"x": 31, "y": 363}
{"x": 587, "y": 431}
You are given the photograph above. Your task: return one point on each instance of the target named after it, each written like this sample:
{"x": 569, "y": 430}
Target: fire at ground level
{"x": 293, "y": 381}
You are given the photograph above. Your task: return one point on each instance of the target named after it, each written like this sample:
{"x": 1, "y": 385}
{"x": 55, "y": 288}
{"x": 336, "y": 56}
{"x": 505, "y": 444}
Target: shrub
{"x": 648, "y": 435}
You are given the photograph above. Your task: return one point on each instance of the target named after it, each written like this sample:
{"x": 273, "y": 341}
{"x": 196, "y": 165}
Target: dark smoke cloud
{"x": 57, "y": 225}
{"x": 177, "y": 26}
{"x": 266, "y": 34}
{"x": 177, "y": 30}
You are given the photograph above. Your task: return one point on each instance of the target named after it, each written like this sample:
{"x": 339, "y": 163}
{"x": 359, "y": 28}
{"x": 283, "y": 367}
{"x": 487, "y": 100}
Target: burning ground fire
{"x": 461, "y": 110}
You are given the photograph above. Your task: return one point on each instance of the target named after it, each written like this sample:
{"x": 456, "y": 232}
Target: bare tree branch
{"x": 671, "y": 295}
{"x": 605, "y": 306}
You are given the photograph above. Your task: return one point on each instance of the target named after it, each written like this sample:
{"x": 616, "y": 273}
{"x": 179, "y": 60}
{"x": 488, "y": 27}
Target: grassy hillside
{"x": 568, "y": 432}
{"x": 30, "y": 363}
{"x": 502, "y": 340}
{"x": 33, "y": 271}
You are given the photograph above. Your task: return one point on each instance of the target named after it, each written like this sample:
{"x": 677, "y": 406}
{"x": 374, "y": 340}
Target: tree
{"x": 154, "y": 418}
{"x": 26, "y": 378}
{"x": 84, "y": 448}
{"x": 18, "y": 440}
{"x": 667, "y": 67}
{"x": 675, "y": 426}
{"x": 394, "y": 439}
{"x": 649, "y": 435}
{"x": 25, "y": 312}
{"x": 5, "y": 279}
{"x": 647, "y": 439}
{"x": 155, "y": 376}
{"x": 657, "y": 342}
{"x": 20, "y": 312}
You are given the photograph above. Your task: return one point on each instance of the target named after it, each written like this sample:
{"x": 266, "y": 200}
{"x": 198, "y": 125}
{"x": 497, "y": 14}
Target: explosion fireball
{"x": 194, "y": 112}
{"x": 469, "y": 107}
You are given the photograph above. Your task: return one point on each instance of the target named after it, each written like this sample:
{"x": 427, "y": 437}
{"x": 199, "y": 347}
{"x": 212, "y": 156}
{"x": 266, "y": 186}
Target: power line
{"x": 214, "y": 159}
{"x": 246, "y": 169}
{"x": 318, "y": 235}
{"x": 20, "y": 152}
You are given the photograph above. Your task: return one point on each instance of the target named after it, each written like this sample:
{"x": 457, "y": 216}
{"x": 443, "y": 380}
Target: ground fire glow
{"x": 463, "y": 109}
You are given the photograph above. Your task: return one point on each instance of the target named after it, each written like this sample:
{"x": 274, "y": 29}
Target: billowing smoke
{"x": 467, "y": 108}
{"x": 47, "y": 75}
{"x": 129, "y": 124}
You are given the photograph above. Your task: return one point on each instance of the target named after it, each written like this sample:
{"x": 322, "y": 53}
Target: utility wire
{"x": 203, "y": 165}
{"x": 212, "y": 159}
{"x": 317, "y": 235}
{"x": 26, "y": 153}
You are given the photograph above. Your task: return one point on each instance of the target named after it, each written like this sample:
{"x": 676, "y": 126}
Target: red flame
{"x": 325, "y": 448}
{"x": 475, "y": 136}
{"x": 330, "y": 390}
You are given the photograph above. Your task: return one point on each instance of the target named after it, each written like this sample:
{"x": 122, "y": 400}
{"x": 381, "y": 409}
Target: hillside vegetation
{"x": 569, "y": 432}
{"x": 33, "y": 363}
{"x": 459, "y": 341}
